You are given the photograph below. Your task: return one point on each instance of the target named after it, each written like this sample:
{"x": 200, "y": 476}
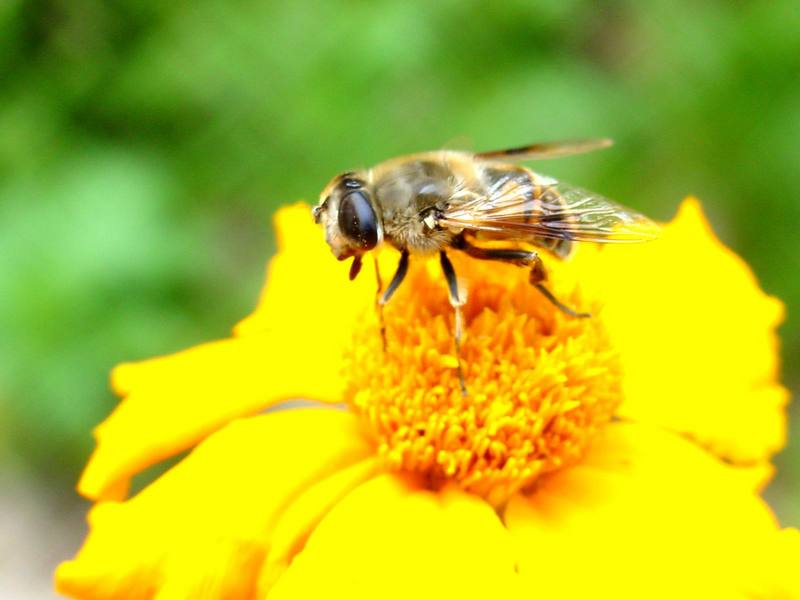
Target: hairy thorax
{"x": 406, "y": 193}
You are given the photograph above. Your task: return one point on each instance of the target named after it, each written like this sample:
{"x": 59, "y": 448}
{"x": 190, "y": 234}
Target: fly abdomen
{"x": 552, "y": 208}
{"x": 535, "y": 200}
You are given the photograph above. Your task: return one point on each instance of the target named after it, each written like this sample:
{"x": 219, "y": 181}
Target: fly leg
{"x": 397, "y": 279}
{"x": 456, "y": 302}
{"x": 522, "y": 258}
{"x": 378, "y": 304}
{"x": 537, "y": 277}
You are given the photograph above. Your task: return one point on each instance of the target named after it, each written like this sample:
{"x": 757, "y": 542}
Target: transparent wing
{"x": 544, "y": 207}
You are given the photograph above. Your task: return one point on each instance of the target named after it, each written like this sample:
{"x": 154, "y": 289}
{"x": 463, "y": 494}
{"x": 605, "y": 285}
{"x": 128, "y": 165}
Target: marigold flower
{"x": 619, "y": 456}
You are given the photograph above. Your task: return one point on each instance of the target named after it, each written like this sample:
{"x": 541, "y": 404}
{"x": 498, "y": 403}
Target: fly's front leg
{"x": 456, "y": 302}
{"x": 397, "y": 279}
{"x": 378, "y": 304}
{"x": 522, "y": 258}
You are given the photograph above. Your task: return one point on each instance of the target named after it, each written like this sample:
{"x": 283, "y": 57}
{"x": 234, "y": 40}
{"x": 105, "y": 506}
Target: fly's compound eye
{"x": 358, "y": 221}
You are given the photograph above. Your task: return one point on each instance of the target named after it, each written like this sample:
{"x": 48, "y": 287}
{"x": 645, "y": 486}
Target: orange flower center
{"x": 539, "y": 383}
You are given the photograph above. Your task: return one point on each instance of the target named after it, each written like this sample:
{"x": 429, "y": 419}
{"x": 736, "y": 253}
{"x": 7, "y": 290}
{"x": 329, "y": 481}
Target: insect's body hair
{"x": 407, "y": 189}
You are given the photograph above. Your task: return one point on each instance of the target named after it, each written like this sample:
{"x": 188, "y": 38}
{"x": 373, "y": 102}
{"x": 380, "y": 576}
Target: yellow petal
{"x": 290, "y": 348}
{"x": 696, "y": 335}
{"x": 173, "y": 402}
{"x": 308, "y": 291}
{"x": 202, "y": 530}
{"x": 648, "y": 514}
{"x": 391, "y": 539}
{"x": 772, "y": 567}
{"x": 300, "y": 519}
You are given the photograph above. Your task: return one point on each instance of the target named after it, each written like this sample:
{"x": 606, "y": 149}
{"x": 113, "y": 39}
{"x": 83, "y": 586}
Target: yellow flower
{"x": 619, "y": 456}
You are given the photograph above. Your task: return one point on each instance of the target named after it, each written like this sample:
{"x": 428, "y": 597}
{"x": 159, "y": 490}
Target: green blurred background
{"x": 145, "y": 144}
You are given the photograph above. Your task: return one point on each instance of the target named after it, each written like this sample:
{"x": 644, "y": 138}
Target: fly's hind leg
{"x": 456, "y": 302}
{"x": 522, "y": 258}
{"x": 537, "y": 277}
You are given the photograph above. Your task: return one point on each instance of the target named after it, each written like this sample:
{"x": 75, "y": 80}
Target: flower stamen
{"x": 540, "y": 383}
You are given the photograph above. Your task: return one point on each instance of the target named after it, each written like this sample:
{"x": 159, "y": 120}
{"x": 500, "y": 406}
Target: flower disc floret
{"x": 540, "y": 383}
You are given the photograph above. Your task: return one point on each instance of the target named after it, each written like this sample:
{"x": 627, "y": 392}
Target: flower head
{"x": 619, "y": 455}
{"x": 540, "y": 383}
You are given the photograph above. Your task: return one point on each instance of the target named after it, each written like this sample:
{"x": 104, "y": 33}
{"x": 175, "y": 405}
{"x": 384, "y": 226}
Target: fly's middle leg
{"x": 456, "y": 302}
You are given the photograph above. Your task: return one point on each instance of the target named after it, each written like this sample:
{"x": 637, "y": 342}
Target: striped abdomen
{"x": 524, "y": 198}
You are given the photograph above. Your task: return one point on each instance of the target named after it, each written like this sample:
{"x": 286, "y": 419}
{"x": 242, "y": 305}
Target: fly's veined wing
{"x": 550, "y": 209}
{"x": 544, "y": 150}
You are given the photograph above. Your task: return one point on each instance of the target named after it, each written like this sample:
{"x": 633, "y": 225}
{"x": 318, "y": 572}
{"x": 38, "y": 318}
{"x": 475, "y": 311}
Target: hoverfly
{"x": 435, "y": 201}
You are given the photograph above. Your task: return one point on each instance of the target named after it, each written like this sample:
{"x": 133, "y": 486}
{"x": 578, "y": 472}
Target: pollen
{"x": 540, "y": 384}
